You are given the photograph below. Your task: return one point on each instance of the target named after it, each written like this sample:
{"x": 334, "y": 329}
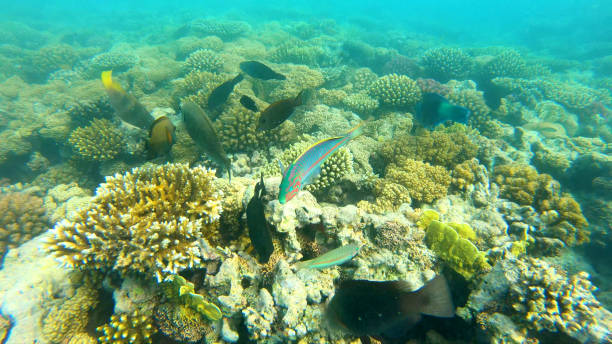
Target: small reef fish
{"x": 259, "y": 229}
{"x": 249, "y": 103}
{"x": 128, "y": 108}
{"x": 388, "y": 309}
{"x": 161, "y": 136}
{"x": 308, "y": 165}
{"x": 276, "y": 113}
{"x": 219, "y": 95}
{"x": 202, "y": 131}
{"x": 435, "y": 109}
{"x": 260, "y": 71}
{"x": 334, "y": 257}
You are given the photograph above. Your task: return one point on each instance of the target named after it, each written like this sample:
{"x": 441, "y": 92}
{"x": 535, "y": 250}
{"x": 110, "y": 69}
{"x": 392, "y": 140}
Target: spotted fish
{"x": 308, "y": 165}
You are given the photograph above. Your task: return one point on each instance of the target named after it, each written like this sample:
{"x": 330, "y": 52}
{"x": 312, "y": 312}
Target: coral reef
{"x": 362, "y": 78}
{"x": 180, "y": 323}
{"x": 133, "y": 328}
{"x": 507, "y": 64}
{"x": 360, "y": 103}
{"x": 424, "y": 182}
{"x": 142, "y": 222}
{"x": 180, "y": 291}
{"x": 100, "y": 141}
{"x": 444, "y": 64}
{"x": 113, "y": 60}
{"x": 396, "y": 90}
{"x": 389, "y": 197}
{"x": 226, "y": 29}
{"x": 22, "y": 217}
{"x": 203, "y": 60}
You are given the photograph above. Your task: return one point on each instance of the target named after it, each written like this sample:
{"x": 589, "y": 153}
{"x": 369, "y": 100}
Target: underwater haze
{"x": 305, "y": 172}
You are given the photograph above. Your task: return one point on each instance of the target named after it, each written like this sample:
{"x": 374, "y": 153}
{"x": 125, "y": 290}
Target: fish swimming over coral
{"x": 387, "y": 309}
{"x": 276, "y": 113}
{"x": 128, "y": 108}
{"x": 202, "y": 131}
{"x": 259, "y": 229}
{"x": 435, "y": 109}
{"x": 219, "y": 95}
{"x": 161, "y": 136}
{"x": 248, "y": 103}
{"x": 260, "y": 71}
{"x": 334, "y": 257}
{"x": 308, "y": 165}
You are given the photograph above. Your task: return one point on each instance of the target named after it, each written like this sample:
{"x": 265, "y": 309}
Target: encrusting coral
{"x": 424, "y": 182}
{"x": 146, "y": 221}
{"x": 396, "y": 90}
{"x": 22, "y": 217}
{"x": 178, "y": 290}
{"x": 132, "y": 328}
{"x": 99, "y": 141}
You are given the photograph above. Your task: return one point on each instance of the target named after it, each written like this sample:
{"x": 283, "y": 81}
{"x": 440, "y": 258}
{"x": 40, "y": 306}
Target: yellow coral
{"x": 99, "y": 141}
{"x": 459, "y": 253}
{"x": 427, "y": 218}
{"x": 178, "y": 289}
{"x": 70, "y": 318}
{"x": 22, "y": 217}
{"x": 424, "y": 182}
{"x": 181, "y": 323}
{"x": 148, "y": 221}
{"x": 133, "y": 328}
{"x": 389, "y": 196}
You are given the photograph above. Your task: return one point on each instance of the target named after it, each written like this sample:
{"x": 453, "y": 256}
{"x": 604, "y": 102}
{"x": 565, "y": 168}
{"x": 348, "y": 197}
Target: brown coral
{"x": 22, "y": 217}
{"x": 99, "y": 141}
{"x": 70, "y": 318}
{"x": 424, "y": 182}
{"x": 147, "y": 221}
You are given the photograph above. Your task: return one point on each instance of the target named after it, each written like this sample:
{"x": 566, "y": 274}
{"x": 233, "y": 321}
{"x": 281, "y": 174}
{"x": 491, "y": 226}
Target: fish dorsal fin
{"x": 313, "y": 145}
{"x": 436, "y": 298}
{"x": 282, "y": 168}
{"x": 109, "y": 83}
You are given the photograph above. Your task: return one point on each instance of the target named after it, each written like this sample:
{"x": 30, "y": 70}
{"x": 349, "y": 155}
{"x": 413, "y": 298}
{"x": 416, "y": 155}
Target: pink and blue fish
{"x": 308, "y": 165}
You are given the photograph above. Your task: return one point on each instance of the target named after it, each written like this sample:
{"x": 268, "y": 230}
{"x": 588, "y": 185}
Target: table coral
{"x": 132, "y": 328}
{"x": 99, "y": 141}
{"x": 444, "y": 63}
{"x": 424, "y": 182}
{"x": 396, "y": 90}
{"x": 146, "y": 221}
{"x": 22, "y": 217}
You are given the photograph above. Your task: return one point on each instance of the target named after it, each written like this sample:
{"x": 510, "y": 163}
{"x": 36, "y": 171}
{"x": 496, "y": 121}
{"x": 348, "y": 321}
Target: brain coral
{"x": 424, "y": 182}
{"x": 396, "y": 90}
{"x": 204, "y": 60}
{"x": 22, "y": 217}
{"x": 444, "y": 64}
{"x": 147, "y": 221}
{"x": 99, "y": 141}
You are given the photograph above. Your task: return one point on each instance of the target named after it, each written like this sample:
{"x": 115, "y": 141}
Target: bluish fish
{"x": 308, "y": 165}
{"x": 435, "y": 109}
{"x": 334, "y": 257}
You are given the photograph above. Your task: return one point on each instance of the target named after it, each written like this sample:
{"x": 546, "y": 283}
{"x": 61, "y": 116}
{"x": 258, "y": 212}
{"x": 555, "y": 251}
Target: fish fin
{"x": 299, "y": 98}
{"x": 436, "y": 298}
{"x": 316, "y": 171}
{"x": 282, "y": 168}
{"x": 356, "y": 131}
{"x": 229, "y": 170}
{"x": 301, "y": 264}
{"x": 109, "y": 83}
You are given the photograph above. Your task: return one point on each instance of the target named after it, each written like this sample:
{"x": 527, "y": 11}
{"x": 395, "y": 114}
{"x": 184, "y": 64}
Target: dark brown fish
{"x": 248, "y": 103}
{"x": 128, "y": 108}
{"x": 259, "y": 228}
{"x": 276, "y": 113}
{"x": 202, "y": 131}
{"x": 387, "y": 309}
{"x": 260, "y": 71}
{"x": 161, "y": 137}
{"x": 219, "y": 95}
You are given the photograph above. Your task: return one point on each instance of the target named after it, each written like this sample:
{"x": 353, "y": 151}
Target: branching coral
{"x": 203, "y": 60}
{"x": 465, "y": 174}
{"x": 474, "y": 101}
{"x": 49, "y": 59}
{"x": 507, "y": 64}
{"x": 444, "y": 64}
{"x": 146, "y": 221}
{"x": 439, "y": 147}
{"x": 22, "y": 217}
{"x": 396, "y": 90}
{"x": 132, "y": 328}
{"x": 424, "y": 182}
{"x": 99, "y": 141}
{"x": 362, "y": 78}
{"x": 455, "y": 249}
{"x": 70, "y": 318}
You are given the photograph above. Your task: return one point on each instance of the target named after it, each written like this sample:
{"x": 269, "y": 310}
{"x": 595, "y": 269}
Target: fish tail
{"x": 436, "y": 298}
{"x": 109, "y": 83}
{"x": 356, "y": 131}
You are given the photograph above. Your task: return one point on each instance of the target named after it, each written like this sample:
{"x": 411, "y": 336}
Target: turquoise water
{"x": 142, "y": 201}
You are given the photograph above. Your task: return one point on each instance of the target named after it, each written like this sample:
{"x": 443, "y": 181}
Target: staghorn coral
{"x": 444, "y": 63}
{"x": 360, "y": 103}
{"x": 455, "y": 249}
{"x": 424, "y": 182}
{"x": 180, "y": 323}
{"x": 180, "y": 291}
{"x": 396, "y": 90}
{"x": 203, "y": 60}
{"x": 146, "y": 221}
{"x": 132, "y": 328}
{"x": 440, "y": 147}
{"x": 22, "y": 217}
{"x": 65, "y": 321}
{"x": 100, "y": 141}
{"x": 237, "y": 129}
{"x": 389, "y": 197}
